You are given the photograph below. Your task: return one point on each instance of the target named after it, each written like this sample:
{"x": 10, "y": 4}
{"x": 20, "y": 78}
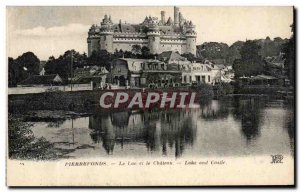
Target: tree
{"x": 129, "y": 54}
{"x": 289, "y": 56}
{"x": 189, "y": 56}
{"x": 250, "y": 63}
{"x": 58, "y": 66}
{"x": 234, "y": 52}
{"x": 145, "y": 52}
{"x": 100, "y": 58}
{"x": 213, "y": 50}
{"x": 136, "y": 49}
{"x": 118, "y": 54}
{"x": 62, "y": 65}
{"x": 13, "y": 72}
{"x": 29, "y": 64}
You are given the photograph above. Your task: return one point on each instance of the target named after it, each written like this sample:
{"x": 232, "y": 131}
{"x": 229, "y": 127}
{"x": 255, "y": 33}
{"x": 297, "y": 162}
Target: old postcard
{"x": 150, "y": 96}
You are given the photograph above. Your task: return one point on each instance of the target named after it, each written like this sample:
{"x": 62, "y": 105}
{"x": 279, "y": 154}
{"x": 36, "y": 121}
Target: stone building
{"x": 197, "y": 72}
{"x": 158, "y": 35}
{"x": 143, "y": 72}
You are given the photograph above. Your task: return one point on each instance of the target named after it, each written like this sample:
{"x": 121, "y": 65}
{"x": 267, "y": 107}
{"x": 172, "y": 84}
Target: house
{"x": 274, "y": 66}
{"x": 42, "y": 80}
{"x": 94, "y": 75}
{"x": 196, "y": 72}
{"x": 126, "y": 72}
{"x": 142, "y": 72}
{"x": 160, "y": 74}
{"x": 260, "y": 80}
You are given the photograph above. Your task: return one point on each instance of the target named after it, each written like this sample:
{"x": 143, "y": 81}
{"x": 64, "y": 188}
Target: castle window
{"x": 208, "y": 78}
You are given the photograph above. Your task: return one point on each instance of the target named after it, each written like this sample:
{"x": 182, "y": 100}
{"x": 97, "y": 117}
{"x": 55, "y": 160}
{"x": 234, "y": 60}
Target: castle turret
{"x": 106, "y": 35}
{"x": 191, "y": 36}
{"x": 154, "y": 38}
{"x": 176, "y": 16}
{"x": 93, "y": 40}
{"x": 163, "y": 19}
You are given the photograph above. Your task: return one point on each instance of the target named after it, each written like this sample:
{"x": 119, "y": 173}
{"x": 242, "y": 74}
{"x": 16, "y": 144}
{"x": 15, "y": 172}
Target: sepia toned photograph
{"x": 150, "y": 96}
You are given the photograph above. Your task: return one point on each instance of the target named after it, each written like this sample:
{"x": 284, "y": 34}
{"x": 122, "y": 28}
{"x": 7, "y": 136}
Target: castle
{"x": 157, "y": 35}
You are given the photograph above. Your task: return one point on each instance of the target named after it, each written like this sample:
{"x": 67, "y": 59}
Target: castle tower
{"x": 176, "y": 16}
{"x": 191, "y": 36}
{"x": 106, "y": 35}
{"x": 93, "y": 40}
{"x": 163, "y": 18}
{"x": 154, "y": 38}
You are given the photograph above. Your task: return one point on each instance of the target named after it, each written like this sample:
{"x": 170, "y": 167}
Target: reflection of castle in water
{"x": 154, "y": 129}
{"x": 173, "y": 132}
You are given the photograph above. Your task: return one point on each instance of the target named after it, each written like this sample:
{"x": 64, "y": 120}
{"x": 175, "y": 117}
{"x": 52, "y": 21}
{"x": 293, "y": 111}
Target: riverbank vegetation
{"x": 23, "y": 145}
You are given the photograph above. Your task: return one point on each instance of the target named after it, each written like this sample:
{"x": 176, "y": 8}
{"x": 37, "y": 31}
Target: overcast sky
{"x": 50, "y": 31}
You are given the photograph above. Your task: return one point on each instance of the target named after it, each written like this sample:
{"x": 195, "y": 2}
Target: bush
{"x": 23, "y": 145}
{"x": 205, "y": 90}
{"x": 223, "y": 89}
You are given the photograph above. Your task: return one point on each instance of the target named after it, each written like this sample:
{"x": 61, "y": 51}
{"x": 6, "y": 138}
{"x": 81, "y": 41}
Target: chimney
{"x": 176, "y": 16}
{"x": 162, "y": 13}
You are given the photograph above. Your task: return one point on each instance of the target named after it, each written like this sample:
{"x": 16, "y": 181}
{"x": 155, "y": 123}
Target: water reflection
{"x": 290, "y": 128}
{"x": 154, "y": 129}
{"x": 249, "y": 113}
{"x": 212, "y": 110}
{"x": 218, "y": 127}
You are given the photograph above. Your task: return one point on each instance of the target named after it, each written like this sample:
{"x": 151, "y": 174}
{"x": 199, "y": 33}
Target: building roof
{"x": 277, "y": 61}
{"x": 218, "y": 61}
{"x": 134, "y": 65}
{"x": 263, "y": 77}
{"x": 169, "y": 56}
{"x": 127, "y": 28}
{"x": 89, "y": 73}
{"x": 42, "y": 80}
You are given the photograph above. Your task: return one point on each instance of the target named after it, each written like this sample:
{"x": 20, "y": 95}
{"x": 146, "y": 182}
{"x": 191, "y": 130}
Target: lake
{"x": 216, "y": 128}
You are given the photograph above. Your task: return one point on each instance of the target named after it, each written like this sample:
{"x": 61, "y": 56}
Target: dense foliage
{"x": 289, "y": 56}
{"x": 21, "y": 68}
{"x": 215, "y": 50}
{"x": 251, "y": 62}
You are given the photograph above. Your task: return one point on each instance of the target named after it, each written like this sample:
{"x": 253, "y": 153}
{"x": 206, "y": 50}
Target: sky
{"x": 48, "y": 31}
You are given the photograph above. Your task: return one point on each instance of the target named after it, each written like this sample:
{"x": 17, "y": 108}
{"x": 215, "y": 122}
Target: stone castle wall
{"x": 164, "y": 44}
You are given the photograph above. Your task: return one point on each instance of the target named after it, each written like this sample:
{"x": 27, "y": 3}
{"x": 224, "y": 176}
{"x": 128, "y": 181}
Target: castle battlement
{"x": 157, "y": 34}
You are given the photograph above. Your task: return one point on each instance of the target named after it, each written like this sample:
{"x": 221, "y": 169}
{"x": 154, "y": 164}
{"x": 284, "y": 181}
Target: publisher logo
{"x": 276, "y": 159}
